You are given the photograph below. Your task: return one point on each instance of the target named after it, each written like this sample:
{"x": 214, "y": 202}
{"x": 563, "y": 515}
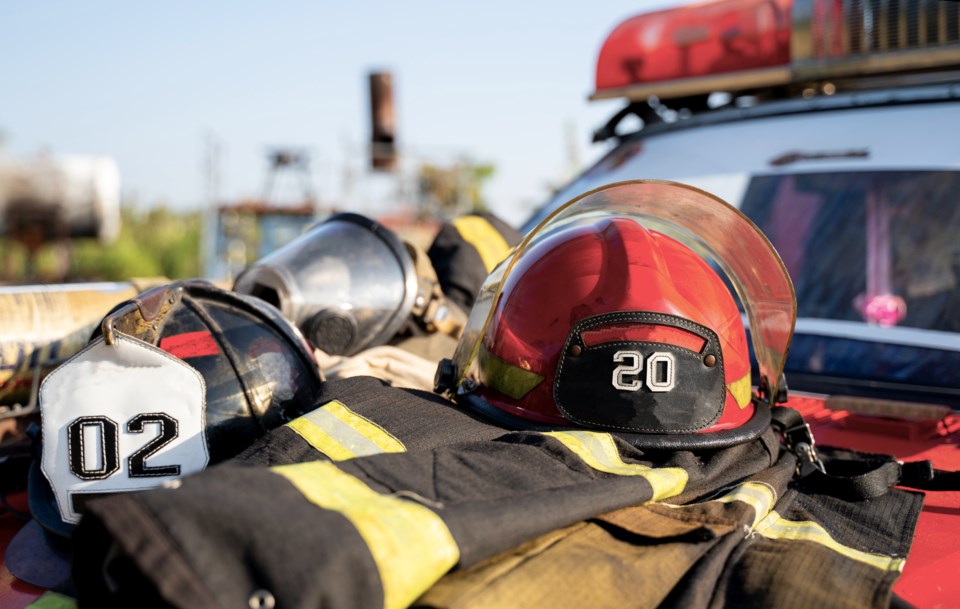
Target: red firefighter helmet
{"x": 608, "y": 318}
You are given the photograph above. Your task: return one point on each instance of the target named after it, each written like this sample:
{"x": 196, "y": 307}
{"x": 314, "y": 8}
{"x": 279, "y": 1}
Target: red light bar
{"x": 743, "y": 45}
{"x": 695, "y": 41}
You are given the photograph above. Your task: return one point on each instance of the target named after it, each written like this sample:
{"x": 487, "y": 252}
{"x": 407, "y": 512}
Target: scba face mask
{"x": 349, "y": 284}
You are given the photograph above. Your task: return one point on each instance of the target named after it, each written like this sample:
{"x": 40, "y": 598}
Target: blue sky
{"x": 148, "y": 83}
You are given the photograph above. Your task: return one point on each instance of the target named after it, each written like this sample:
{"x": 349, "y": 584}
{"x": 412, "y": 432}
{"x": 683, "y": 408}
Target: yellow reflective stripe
{"x": 504, "y": 376}
{"x": 410, "y": 544}
{"x": 340, "y": 434}
{"x": 776, "y": 527}
{"x": 599, "y": 451}
{"x": 488, "y": 242}
{"x": 53, "y": 600}
{"x": 770, "y": 524}
{"x": 741, "y": 390}
{"x": 757, "y": 495}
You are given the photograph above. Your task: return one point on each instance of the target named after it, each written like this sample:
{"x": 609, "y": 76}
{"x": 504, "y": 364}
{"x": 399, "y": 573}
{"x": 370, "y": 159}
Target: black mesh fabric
{"x": 535, "y": 523}
{"x": 418, "y": 419}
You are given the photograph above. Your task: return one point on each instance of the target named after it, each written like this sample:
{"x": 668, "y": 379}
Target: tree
{"x": 455, "y": 189}
{"x": 159, "y": 242}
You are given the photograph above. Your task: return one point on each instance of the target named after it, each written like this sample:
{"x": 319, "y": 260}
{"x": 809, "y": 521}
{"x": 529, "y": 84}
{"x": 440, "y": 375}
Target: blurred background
{"x": 190, "y": 139}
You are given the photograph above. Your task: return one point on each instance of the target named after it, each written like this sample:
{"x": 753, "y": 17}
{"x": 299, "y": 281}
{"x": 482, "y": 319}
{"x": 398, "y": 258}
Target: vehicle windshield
{"x": 878, "y": 247}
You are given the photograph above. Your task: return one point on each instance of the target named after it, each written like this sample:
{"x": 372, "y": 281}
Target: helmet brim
{"x": 749, "y": 431}
{"x": 43, "y": 503}
{"x": 39, "y": 558}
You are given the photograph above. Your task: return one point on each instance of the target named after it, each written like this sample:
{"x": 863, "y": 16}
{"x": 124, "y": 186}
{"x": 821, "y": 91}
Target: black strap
{"x": 923, "y": 476}
{"x": 876, "y": 478}
{"x": 798, "y": 439}
{"x": 852, "y": 475}
{"x": 873, "y": 482}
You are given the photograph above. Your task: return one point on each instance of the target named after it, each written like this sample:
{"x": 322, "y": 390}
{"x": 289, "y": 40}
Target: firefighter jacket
{"x": 763, "y": 542}
{"x": 372, "y": 499}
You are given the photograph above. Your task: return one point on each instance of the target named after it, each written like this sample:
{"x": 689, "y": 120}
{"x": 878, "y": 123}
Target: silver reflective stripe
{"x": 340, "y": 434}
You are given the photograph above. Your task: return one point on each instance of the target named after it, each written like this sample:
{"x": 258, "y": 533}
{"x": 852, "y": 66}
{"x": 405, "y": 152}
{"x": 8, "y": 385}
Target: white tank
{"x": 68, "y": 196}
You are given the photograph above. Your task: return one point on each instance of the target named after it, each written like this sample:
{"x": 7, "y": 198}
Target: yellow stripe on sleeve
{"x": 410, "y": 544}
{"x": 488, "y": 242}
{"x": 599, "y": 451}
{"x": 768, "y": 523}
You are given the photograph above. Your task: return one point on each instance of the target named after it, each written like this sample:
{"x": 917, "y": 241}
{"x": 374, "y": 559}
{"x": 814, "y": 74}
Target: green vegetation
{"x": 455, "y": 189}
{"x": 158, "y": 242}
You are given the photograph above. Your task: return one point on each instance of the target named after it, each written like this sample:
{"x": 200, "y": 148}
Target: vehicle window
{"x": 879, "y": 247}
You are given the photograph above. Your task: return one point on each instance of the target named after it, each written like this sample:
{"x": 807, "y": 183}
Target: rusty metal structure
{"x": 383, "y": 124}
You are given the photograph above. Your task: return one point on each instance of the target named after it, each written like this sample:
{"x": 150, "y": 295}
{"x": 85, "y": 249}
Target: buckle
{"x": 799, "y": 440}
{"x": 445, "y": 379}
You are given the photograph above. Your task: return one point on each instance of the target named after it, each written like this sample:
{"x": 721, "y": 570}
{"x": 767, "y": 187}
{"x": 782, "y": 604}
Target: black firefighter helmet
{"x": 257, "y": 370}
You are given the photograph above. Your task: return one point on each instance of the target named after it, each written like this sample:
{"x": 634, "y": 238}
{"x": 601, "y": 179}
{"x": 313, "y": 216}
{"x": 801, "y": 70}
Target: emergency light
{"x": 743, "y": 45}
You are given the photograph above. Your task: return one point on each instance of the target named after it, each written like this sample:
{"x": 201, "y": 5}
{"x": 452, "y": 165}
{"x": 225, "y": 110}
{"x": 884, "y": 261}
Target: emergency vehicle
{"x": 832, "y": 125}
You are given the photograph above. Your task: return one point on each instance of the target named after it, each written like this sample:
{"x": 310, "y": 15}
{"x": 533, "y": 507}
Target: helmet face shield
{"x": 258, "y": 374}
{"x": 347, "y": 283}
{"x": 612, "y": 258}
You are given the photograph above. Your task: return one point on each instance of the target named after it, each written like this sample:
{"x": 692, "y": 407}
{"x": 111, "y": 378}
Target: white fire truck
{"x": 833, "y": 125}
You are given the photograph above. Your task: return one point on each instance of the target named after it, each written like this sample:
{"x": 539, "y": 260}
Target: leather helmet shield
{"x": 645, "y": 386}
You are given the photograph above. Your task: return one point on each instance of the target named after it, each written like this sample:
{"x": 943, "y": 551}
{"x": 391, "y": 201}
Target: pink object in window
{"x": 885, "y": 310}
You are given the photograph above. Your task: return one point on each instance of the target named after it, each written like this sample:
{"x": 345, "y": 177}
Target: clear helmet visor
{"x": 347, "y": 283}
{"x": 714, "y": 229}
